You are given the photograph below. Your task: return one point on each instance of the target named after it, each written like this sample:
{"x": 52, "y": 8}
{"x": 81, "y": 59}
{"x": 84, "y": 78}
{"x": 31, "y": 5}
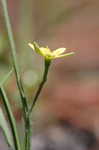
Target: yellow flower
{"x": 47, "y": 53}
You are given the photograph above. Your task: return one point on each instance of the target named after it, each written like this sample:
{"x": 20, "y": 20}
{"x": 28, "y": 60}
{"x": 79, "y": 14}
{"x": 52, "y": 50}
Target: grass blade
{"x": 10, "y": 118}
{"x": 6, "y": 77}
{"x": 14, "y": 56}
{"x": 5, "y": 129}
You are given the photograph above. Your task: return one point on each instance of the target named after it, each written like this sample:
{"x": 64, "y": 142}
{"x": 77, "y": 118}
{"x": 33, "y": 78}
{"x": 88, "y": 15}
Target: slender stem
{"x": 27, "y": 145}
{"x": 28, "y": 131}
{"x": 16, "y": 70}
{"x": 47, "y": 65}
{"x": 6, "y": 77}
{"x": 14, "y": 59}
{"x": 11, "y": 119}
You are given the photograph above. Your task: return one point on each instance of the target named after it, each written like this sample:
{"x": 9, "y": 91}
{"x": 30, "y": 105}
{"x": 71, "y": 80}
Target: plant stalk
{"x": 11, "y": 119}
{"x": 13, "y": 54}
{"x": 46, "y": 69}
{"x": 27, "y": 145}
{"x": 16, "y": 70}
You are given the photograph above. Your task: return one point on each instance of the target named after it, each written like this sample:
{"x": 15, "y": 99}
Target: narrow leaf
{"x": 6, "y": 77}
{"x": 11, "y": 119}
{"x": 6, "y": 130}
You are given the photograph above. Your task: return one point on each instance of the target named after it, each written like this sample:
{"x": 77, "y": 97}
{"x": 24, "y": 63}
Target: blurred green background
{"x": 71, "y": 92}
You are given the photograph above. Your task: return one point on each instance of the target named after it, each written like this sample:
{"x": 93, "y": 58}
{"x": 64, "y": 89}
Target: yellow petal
{"x": 67, "y": 54}
{"x": 31, "y": 45}
{"x": 59, "y": 51}
{"x": 35, "y": 47}
{"x": 45, "y": 51}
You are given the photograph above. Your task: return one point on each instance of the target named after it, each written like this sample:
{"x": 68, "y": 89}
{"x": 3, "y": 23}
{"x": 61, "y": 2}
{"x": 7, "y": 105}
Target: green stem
{"x": 6, "y": 77}
{"x": 16, "y": 70}
{"x": 11, "y": 119}
{"x": 47, "y": 65}
{"x": 14, "y": 59}
{"x": 27, "y": 145}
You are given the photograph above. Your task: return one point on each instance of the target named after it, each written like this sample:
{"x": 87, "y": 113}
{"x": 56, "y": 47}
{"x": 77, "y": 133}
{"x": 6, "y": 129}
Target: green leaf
{"x": 6, "y": 77}
{"x": 11, "y": 119}
{"x": 6, "y": 130}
